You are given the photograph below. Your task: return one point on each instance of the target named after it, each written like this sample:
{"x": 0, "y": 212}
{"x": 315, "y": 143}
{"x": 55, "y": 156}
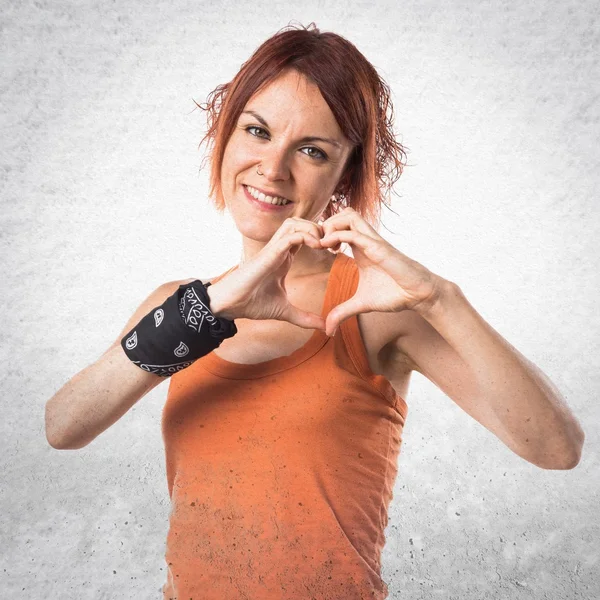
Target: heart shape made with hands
{"x": 389, "y": 281}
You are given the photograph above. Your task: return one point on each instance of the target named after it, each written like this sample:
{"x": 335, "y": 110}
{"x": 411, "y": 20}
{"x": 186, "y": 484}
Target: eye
{"x": 321, "y": 155}
{"x": 257, "y": 128}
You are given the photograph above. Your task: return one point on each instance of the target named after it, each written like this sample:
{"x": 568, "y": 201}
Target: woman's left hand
{"x": 389, "y": 281}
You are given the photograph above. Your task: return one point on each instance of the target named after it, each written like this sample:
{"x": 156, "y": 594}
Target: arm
{"x": 437, "y": 332}
{"x": 454, "y": 347}
{"x": 99, "y": 395}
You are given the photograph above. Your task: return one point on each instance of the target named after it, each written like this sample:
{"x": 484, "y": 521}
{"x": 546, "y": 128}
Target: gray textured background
{"x": 498, "y": 104}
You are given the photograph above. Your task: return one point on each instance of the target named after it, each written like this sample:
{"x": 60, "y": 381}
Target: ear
{"x": 344, "y": 183}
{"x": 352, "y": 162}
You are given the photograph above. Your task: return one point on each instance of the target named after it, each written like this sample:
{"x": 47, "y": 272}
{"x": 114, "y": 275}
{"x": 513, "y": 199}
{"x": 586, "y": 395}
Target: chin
{"x": 253, "y": 230}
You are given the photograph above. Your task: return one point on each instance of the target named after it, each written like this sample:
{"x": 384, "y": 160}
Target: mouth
{"x": 265, "y": 202}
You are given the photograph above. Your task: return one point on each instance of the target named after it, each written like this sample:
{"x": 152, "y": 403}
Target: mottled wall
{"x": 102, "y": 200}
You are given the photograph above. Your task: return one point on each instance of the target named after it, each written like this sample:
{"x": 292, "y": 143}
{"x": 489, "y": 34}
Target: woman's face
{"x": 270, "y": 136}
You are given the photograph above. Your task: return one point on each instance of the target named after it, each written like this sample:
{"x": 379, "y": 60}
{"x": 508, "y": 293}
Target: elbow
{"x": 570, "y": 460}
{"x": 62, "y": 444}
{"x": 576, "y": 458}
{"x": 564, "y": 466}
{"x": 56, "y": 437}
{"x": 53, "y": 436}
{"x": 563, "y": 460}
{"x": 577, "y": 451}
{"x": 54, "y": 440}
{"x": 573, "y": 463}
{"x": 572, "y": 456}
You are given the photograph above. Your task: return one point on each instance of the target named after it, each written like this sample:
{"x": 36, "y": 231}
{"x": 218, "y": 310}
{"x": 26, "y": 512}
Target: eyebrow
{"x": 304, "y": 139}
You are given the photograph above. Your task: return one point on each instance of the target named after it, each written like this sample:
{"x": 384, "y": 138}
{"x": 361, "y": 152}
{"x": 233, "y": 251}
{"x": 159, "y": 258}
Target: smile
{"x": 256, "y": 199}
{"x": 258, "y": 195}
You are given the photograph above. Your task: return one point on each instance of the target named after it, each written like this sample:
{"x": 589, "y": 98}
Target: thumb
{"x": 304, "y": 319}
{"x": 341, "y": 313}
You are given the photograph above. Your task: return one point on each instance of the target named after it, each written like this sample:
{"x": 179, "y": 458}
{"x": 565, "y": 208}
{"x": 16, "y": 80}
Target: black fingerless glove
{"x": 178, "y": 332}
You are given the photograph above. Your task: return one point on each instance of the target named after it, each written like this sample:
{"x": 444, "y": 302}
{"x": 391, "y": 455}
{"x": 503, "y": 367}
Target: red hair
{"x": 357, "y": 96}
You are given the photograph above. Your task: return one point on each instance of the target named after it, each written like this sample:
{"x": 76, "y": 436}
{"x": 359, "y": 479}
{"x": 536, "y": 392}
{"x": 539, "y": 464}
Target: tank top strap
{"x": 219, "y": 277}
{"x": 342, "y": 287}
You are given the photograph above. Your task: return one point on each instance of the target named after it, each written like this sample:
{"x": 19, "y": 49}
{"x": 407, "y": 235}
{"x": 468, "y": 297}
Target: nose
{"x": 274, "y": 164}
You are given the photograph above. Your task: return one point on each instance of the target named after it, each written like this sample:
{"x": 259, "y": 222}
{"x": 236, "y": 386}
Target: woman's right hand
{"x": 256, "y": 289}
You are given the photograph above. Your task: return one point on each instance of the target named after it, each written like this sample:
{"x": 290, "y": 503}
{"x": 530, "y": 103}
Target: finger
{"x": 296, "y": 224}
{"x": 348, "y": 218}
{"x": 297, "y": 239}
{"x": 303, "y": 319}
{"x": 341, "y": 313}
{"x": 334, "y": 238}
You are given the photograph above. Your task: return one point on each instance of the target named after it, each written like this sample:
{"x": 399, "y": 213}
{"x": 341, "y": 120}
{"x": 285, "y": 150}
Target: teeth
{"x": 269, "y": 199}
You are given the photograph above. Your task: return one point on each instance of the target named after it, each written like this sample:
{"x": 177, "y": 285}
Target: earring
{"x": 333, "y": 198}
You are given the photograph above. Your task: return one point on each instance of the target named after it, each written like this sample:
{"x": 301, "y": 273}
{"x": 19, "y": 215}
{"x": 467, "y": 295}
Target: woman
{"x": 281, "y": 436}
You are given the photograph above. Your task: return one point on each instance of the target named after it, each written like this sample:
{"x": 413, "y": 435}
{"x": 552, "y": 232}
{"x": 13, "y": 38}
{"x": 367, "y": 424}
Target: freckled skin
{"x": 294, "y": 108}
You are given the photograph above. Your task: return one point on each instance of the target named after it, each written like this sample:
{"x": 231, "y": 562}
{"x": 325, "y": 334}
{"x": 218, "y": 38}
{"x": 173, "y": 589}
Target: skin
{"x": 294, "y": 108}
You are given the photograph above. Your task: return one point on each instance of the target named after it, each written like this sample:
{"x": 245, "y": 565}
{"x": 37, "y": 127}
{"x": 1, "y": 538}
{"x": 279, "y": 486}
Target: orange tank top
{"x": 280, "y": 473}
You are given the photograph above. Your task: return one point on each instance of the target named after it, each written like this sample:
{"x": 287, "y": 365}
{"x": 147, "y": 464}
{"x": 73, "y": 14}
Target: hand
{"x": 389, "y": 281}
{"x": 256, "y": 289}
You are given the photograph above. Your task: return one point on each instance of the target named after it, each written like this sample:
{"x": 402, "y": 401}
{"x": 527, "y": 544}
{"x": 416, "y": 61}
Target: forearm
{"x": 535, "y": 420}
